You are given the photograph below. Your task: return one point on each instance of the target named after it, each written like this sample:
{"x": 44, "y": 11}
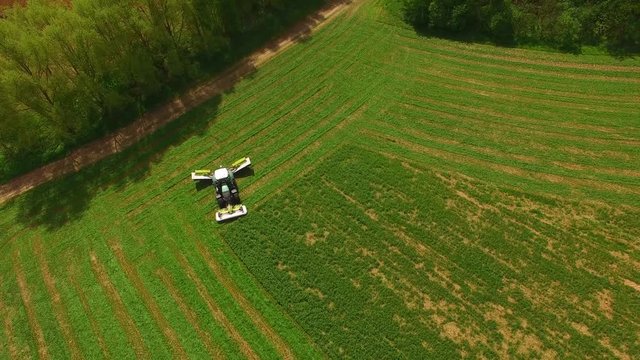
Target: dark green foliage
{"x": 562, "y": 24}
{"x": 70, "y": 74}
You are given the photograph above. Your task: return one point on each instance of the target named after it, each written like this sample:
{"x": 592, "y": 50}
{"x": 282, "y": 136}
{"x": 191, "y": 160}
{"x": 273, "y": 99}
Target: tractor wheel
{"x": 221, "y": 203}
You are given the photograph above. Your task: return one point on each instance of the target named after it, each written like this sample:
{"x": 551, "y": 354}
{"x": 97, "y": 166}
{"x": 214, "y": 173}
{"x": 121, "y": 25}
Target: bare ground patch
{"x": 632, "y": 284}
{"x": 605, "y": 303}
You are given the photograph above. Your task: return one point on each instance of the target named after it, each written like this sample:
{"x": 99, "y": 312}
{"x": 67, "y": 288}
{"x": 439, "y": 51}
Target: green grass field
{"x": 412, "y": 197}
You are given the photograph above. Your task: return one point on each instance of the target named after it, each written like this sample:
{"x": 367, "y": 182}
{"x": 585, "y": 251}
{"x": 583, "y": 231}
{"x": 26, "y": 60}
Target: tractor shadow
{"x": 203, "y": 184}
{"x": 246, "y": 172}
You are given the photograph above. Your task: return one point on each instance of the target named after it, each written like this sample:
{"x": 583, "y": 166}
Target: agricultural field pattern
{"x": 411, "y": 197}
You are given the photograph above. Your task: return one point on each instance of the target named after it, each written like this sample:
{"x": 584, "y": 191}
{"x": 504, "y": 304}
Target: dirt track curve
{"x": 151, "y": 121}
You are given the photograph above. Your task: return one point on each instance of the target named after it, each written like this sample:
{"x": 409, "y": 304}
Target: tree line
{"x": 562, "y": 24}
{"x": 71, "y": 71}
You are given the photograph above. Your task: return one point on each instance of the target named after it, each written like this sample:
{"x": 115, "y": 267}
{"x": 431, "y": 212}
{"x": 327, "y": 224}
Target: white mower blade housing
{"x": 231, "y": 213}
{"x": 196, "y": 177}
{"x": 201, "y": 175}
{"x": 240, "y": 164}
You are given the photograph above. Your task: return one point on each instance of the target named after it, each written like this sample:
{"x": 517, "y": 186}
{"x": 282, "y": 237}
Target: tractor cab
{"x": 226, "y": 188}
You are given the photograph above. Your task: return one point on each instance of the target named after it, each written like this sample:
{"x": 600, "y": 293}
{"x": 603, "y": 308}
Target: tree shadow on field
{"x": 300, "y": 32}
{"x": 58, "y": 202}
{"x": 55, "y": 203}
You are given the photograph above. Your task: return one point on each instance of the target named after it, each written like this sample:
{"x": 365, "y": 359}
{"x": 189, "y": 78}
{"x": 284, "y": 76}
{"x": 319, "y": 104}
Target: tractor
{"x": 227, "y": 192}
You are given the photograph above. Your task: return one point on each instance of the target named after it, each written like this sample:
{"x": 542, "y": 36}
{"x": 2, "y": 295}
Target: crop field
{"x": 411, "y": 197}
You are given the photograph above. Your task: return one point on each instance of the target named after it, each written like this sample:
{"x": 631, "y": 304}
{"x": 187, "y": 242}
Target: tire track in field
{"x": 314, "y": 128}
{"x": 161, "y": 322}
{"x": 213, "y": 350}
{"x": 517, "y": 69}
{"x": 518, "y": 59}
{"x": 306, "y": 170}
{"x": 95, "y": 328}
{"x": 519, "y": 84}
{"x": 120, "y": 310}
{"x": 8, "y": 314}
{"x": 537, "y": 124}
{"x": 530, "y": 122}
{"x": 509, "y": 81}
{"x": 421, "y": 134}
{"x": 511, "y": 170}
{"x": 25, "y": 294}
{"x": 528, "y": 60}
{"x": 295, "y": 158}
{"x": 508, "y": 130}
{"x": 59, "y": 309}
{"x": 256, "y": 317}
{"x": 461, "y": 130}
{"x": 215, "y": 310}
{"x": 491, "y": 91}
{"x": 499, "y": 154}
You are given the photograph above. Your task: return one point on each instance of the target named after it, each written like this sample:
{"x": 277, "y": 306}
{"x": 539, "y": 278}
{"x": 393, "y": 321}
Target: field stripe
{"x": 149, "y": 302}
{"x": 25, "y": 294}
{"x": 295, "y": 158}
{"x": 8, "y": 315}
{"x": 526, "y": 60}
{"x": 519, "y": 69}
{"x": 544, "y": 160}
{"x": 443, "y": 69}
{"x": 531, "y": 123}
{"x": 521, "y": 83}
{"x": 215, "y": 310}
{"x": 479, "y": 118}
{"x": 133, "y": 334}
{"x": 281, "y": 346}
{"x": 511, "y": 170}
{"x": 59, "y": 308}
{"x": 496, "y": 91}
{"x": 213, "y": 350}
{"x": 88, "y": 312}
